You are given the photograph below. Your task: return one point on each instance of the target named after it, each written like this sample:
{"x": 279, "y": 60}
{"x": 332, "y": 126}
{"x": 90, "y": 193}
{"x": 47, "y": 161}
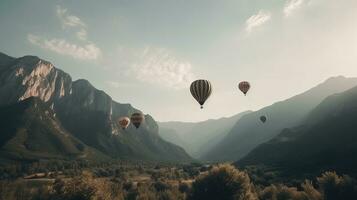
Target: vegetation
{"x": 130, "y": 180}
{"x": 223, "y": 182}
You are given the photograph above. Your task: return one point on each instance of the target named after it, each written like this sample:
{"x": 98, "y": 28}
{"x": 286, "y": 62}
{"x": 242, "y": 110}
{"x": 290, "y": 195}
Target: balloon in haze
{"x": 201, "y": 90}
{"x": 124, "y": 122}
{"x": 244, "y": 86}
{"x": 137, "y": 119}
{"x": 263, "y": 118}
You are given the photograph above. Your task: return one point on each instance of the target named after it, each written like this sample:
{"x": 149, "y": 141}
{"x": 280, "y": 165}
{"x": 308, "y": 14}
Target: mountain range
{"x": 325, "y": 140}
{"x": 198, "y": 137}
{"x": 47, "y": 115}
{"x": 249, "y": 132}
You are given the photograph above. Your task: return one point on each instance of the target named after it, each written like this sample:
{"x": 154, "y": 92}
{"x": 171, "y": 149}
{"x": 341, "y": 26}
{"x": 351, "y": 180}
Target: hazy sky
{"x": 147, "y": 52}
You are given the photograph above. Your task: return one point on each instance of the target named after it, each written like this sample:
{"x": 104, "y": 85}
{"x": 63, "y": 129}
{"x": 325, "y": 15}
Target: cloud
{"x": 291, "y": 6}
{"x": 82, "y": 34}
{"x": 67, "y": 19}
{"x": 113, "y": 84}
{"x": 116, "y": 85}
{"x": 158, "y": 66}
{"x": 257, "y": 20}
{"x": 87, "y": 51}
{"x": 63, "y": 47}
{"x": 72, "y": 21}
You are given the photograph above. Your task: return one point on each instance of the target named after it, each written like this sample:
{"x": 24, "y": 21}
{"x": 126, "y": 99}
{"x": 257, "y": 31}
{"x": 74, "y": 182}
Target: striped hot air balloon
{"x": 124, "y": 122}
{"x": 137, "y": 119}
{"x": 244, "y": 86}
{"x": 201, "y": 90}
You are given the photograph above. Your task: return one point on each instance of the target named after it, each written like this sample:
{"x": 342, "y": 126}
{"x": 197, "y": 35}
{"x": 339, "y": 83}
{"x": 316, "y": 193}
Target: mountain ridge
{"x": 249, "y": 132}
{"x": 198, "y": 137}
{"x": 85, "y": 112}
{"x": 326, "y": 147}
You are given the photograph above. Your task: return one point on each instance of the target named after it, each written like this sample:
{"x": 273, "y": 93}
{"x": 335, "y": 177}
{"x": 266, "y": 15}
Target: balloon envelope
{"x": 263, "y": 118}
{"x": 124, "y": 122}
{"x": 201, "y": 90}
{"x": 244, "y": 86}
{"x": 137, "y": 119}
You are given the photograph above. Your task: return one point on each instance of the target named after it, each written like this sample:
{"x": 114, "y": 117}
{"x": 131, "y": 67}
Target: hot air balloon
{"x": 201, "y": 90}
{"x": 263, "y": 118}
{"x": 124, "y": 122}
{"x": 244, "y": 86}
{"x": 137, "y": 119}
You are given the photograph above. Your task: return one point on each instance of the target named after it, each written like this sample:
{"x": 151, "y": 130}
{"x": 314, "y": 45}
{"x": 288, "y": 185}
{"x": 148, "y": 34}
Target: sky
{"x": 147, "y": 52}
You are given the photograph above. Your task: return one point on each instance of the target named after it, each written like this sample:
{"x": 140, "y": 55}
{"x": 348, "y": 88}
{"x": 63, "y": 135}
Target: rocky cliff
{"x": 88, "y": 114}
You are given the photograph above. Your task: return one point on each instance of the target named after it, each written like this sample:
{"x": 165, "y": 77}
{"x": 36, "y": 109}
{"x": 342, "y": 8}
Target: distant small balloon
{"x": 124, "y": 122}
{"x": 244, "y": 86}
{"x": 263, "y": 118}
{"x": 201, "y": 90}
{"x": 137, "y": 119}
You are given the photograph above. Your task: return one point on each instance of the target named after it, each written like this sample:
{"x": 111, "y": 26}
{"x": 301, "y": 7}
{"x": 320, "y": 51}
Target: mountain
{"x": 326, "y": 140}
{"x": 85, "y": 113}
{"x": 249, "y": 132}
{"x": 172, "y": 136}
{"x": 198, "y": 137}
{"x": 31, "y": 131}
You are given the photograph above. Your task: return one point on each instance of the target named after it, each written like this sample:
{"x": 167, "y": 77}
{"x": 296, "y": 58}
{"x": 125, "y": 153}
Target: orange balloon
{"x": 124, "y": 122}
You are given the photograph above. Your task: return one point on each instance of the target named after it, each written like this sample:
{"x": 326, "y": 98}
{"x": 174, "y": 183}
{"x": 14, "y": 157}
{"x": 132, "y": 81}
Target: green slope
{"x": 30, "y": 131}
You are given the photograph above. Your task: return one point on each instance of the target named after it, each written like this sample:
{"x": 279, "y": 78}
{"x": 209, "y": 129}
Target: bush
{"x": 282, "y": 192}
{"x": 128, "y": 185}
{"x": 223, "y": 182}
{"x": 310, "y": 192}
{"x": 161, "y": 186}
{"x": 184, "y": 188}
{"x": 78, "y": 188}
{"x": 169, "y": 195}
{"x": 335, "y": 187}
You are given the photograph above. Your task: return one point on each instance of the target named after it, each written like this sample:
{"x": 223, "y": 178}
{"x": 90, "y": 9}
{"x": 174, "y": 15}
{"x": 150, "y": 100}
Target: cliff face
{"x": 30, "y": 76}
{"x": 87, "y": 113}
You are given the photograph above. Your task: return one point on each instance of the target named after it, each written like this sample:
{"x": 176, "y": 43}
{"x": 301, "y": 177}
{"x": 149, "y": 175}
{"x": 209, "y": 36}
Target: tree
{"x": 223, "y": 182}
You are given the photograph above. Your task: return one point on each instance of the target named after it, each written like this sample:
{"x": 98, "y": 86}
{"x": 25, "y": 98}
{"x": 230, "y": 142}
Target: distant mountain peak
{"x": 83, "y": 82}
{"x": 29, "y": 60}
{"x": 336, "y": 78}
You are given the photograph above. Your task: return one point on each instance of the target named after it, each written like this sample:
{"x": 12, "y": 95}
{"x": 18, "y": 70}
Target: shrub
{"x": 161, "y": 186}
{"x": 223, "y": 182}
{"x": 310, "y": 191}
{"x": 335, "y": 187}
{"x": 282, "y": 192}
{"x": 184, "y": 188}
{"x": 75, "y": 189}
{"x": 169, "y": 195}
